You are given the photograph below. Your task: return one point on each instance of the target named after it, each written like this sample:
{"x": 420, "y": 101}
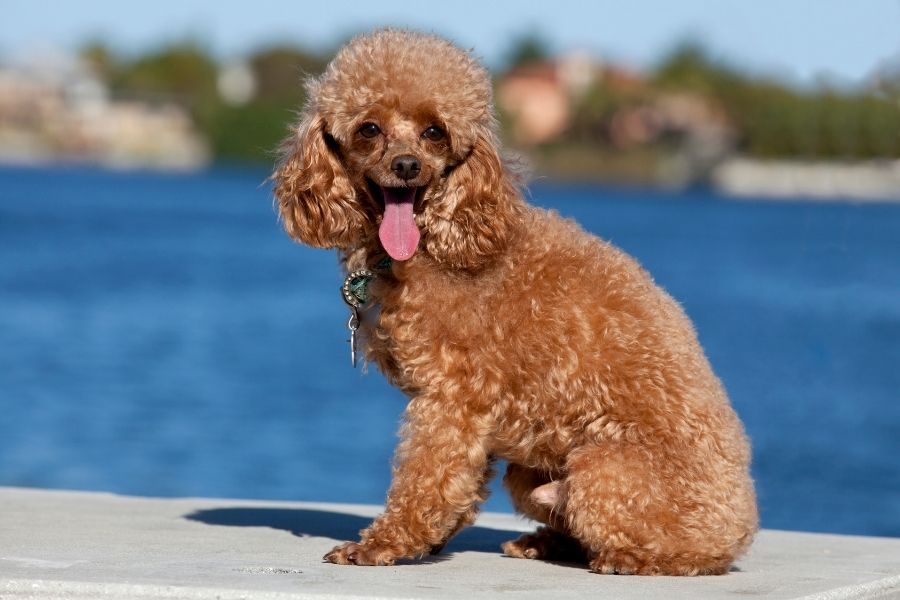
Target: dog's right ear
{"x": 316, "y": 200}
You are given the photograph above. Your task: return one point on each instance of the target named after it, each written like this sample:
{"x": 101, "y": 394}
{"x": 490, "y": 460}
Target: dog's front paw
{"x": 353, "y": 553}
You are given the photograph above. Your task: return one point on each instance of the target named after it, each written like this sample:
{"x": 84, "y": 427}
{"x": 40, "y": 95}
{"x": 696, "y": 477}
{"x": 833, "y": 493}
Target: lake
{"x": 160, "y": 335}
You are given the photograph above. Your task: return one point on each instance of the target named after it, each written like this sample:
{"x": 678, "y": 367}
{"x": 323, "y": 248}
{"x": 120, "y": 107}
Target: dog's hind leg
{"x": 639, "y": 511}
{"x": 522, "y": 483}
{"x": 536, "y": 495}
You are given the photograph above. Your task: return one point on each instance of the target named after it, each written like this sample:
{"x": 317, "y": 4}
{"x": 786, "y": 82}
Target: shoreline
{"x": 736, "y": 178}
{"x": 817, "y": 181}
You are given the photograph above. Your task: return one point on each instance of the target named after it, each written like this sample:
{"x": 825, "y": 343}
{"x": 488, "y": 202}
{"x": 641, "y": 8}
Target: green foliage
{"x": 187, "y": 74}
{"x": 771, "y": 119}
{"x": 689, "y": 67}
{"x": 251, "y": 132}
{"x": 527, "y": 48}
{"x": 776, "y": 121}
{"x": 184, "y": 70}
{"x": 280, "y": 70}
{"x": 100, "y": 58}
{"x": 591, "y": 114}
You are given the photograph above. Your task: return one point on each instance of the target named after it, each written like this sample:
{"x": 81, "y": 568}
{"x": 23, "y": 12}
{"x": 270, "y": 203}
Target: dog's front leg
{"x": 439, "y": 470}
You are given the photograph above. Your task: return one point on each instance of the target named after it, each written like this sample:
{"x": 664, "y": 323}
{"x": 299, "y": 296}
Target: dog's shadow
{"x": 304, "y": 522}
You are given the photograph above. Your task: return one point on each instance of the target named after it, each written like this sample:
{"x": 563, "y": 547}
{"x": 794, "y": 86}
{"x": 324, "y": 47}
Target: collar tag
{"x": 355, "y": 292}
{"x": 355, "y": 289}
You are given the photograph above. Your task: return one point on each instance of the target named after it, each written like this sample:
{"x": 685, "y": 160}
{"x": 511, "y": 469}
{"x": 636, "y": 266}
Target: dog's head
{"x": 398, "y": 143}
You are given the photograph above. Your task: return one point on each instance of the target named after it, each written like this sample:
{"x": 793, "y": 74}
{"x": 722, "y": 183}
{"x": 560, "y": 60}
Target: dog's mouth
{"x": 398, "y": 232}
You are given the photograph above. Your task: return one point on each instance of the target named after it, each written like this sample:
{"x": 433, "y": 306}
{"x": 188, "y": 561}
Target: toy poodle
{"x": 515, "y": 334}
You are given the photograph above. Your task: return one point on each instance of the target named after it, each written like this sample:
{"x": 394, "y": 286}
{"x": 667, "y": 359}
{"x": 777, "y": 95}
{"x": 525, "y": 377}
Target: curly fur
{"x": 515, "y": 334}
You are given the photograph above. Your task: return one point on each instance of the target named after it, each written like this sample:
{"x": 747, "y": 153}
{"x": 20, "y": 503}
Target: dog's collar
{"x": 355, "y": 289}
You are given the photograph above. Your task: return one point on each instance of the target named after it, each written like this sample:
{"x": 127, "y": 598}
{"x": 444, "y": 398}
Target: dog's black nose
{"x": 406, "y": 166}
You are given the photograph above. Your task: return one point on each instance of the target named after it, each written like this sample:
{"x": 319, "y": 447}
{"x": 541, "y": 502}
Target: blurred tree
{"x": 776, "y": 121}
{"x": 689, "y": 67}
{"x": 527, "y": 48}
{"x": 100, "y": 57}
{"x": 254, "y": 130}
{"x": 886, "y": 81}
{"x": 773, "y": 120}
{"x": 251, "y": 132}
{"x": 881, "y": 126}
{"x": 184, "y": 70}
{"x": 591, "y": 115}
{"x": 280, "y": 71}
{"x": 187, "y": 73}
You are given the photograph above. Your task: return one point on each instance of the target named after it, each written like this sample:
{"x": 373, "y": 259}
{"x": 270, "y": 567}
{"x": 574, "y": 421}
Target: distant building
{"x": 542, "y": 101}
{"x": 58, "y": 111}
{"x": 538, "y": 97}
{"x": 536, "y": 103}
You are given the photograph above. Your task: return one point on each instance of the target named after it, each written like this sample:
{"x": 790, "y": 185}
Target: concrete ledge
{"x": 78, "y": 545}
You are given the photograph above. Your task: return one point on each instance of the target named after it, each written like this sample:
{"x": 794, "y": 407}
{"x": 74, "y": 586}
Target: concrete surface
{"x": 78, "y": 545}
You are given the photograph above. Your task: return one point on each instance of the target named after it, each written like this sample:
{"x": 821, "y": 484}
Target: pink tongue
{"x": 398, "y": 232}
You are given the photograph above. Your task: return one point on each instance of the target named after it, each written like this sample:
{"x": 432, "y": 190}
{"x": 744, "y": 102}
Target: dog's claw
{"x": 345, "y": 554}
{"x": 352, "y": 553}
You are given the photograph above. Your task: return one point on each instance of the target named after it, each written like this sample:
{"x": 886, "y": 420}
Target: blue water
{"x": 160, "y": 335}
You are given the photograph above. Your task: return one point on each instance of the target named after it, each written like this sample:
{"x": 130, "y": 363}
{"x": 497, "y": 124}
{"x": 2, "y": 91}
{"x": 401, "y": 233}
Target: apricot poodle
{"x": 515, "y": 334}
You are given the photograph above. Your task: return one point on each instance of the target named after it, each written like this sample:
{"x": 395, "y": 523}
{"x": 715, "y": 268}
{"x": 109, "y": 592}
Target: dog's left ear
{"x": 478, "y": 211}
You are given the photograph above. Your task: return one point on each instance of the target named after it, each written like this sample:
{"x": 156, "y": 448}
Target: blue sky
{"x": 797, "y": 39}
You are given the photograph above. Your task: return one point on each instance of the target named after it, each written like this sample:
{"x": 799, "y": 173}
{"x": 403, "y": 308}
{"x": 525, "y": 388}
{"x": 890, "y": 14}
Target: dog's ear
{"x": 478, "y": 211}
{"x": 316, "y": 200}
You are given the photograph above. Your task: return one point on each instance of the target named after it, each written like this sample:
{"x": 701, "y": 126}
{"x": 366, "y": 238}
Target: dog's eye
{"x": 434, "y": 134}
{"x": 369, "y": 130}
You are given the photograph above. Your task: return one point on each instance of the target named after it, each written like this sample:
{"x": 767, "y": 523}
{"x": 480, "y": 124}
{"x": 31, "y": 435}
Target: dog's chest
{"x": 467, "y": 339}
{"x": 431, "y": 324}
{"x": 417, "y": 315}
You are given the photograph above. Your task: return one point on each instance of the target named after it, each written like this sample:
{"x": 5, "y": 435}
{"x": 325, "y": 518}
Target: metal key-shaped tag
{"x": 355, "y": 293}
{"x": 353, "y": 325}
